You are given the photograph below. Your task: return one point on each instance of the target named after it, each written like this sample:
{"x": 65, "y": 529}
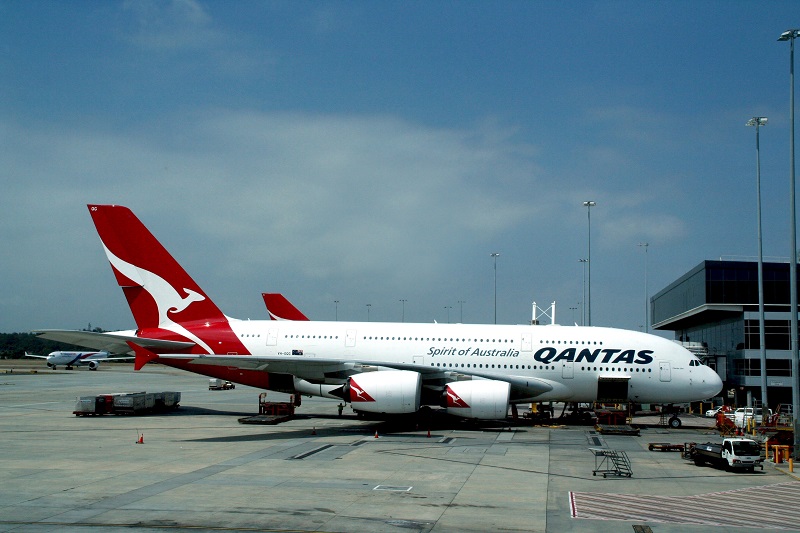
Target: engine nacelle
{"x": 93, "y": 365}
{"x": 478, "y": 398}
{"x": 385, "y": 391}
{"x": 314, "y": 389}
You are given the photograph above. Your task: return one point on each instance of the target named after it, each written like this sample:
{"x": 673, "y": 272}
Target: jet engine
{"x": 483, "y": 399}
{"x": 93, "y": 365}
{"x": 385, "y": 391}
{"x": 315, "y": 389}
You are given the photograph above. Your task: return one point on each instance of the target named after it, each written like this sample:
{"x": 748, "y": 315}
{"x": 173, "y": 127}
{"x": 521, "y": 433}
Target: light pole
{"x": 645, "y": 245}
{"x": 584, "y": 262}
{"x": 461, "y": 311}
{"x": 404, "y": 310}
{"x": 368, "y": 306}
{"x": 791, "y": 35}
{"x": 573, "y": 313}
{"x": 758, "y": 122}
{"x": 448, "y": 307}
{"x": 495, "y": 255}
{"x": 336, "y": 315}
{"x": 588, "y": 205}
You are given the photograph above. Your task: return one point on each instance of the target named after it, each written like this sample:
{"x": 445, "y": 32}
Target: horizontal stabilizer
{"x": 116, "y": 342}
{"x": 143, "y": 355}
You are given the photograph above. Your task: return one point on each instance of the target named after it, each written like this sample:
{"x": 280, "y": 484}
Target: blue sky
{"x": 370, "y": 152}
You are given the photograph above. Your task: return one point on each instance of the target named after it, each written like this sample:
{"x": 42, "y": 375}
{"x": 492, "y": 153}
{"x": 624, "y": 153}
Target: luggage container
{"x": 105, "y": 404}
{"x": 171, "y": 399}
{"x": 166, "y": 400}
{"x": 94, "y": 405}
{"x": 130, "y": 403}
{"x": 85, "y": 406}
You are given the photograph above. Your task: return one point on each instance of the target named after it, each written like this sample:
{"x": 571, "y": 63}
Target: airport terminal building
{"x": 713, "y": 310}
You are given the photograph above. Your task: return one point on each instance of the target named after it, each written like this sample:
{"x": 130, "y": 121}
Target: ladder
{"x": 611, "y": 462}
{"x": 622, "y": 465}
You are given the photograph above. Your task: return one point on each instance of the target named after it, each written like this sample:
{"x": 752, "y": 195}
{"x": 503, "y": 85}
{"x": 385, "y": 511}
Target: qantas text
{"x": 550, "y": 355}
{"x": 599, "y": 355}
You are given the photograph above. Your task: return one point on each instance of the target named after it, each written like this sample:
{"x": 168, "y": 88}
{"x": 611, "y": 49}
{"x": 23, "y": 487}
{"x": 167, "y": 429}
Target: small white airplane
{"x": 469, "y": 370}
{"x": 68, "y": 359}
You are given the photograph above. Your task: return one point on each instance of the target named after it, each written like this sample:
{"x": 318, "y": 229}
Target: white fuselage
{"x": 572, "y": 360}
{"x": 62, "y": 358}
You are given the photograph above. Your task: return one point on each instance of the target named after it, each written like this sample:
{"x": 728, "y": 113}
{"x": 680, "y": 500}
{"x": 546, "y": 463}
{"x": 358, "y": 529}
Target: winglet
{"x": 143, "y": 355}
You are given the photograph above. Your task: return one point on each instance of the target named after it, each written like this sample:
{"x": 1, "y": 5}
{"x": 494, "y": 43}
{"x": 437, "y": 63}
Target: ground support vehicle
{"x": 665, "y": 447}
{"x": 220, "y": 384}
{"x": 134, "y": 403}
{"x": 743, "y": 415}
{"x": 732, "y": 453}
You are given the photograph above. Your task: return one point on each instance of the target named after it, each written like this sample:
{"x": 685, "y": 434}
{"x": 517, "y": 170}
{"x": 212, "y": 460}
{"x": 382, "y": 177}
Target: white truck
{"x": 744, "y": 414}
{"x": 220, "y": 384}
{"x": 732, "y": 453}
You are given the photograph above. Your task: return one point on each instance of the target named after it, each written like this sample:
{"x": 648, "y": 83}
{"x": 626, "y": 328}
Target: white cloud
{"x": 329, "y": 197}
{"x": 173, "y": 25}
{"x": 360, "y": 208}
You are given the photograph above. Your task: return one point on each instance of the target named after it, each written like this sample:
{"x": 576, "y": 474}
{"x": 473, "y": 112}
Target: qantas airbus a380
{"x": 471, "y": 370}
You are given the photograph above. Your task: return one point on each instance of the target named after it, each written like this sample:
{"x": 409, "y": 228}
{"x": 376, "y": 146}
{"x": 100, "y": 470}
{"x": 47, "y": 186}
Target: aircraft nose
{"x": 712, "y": 383}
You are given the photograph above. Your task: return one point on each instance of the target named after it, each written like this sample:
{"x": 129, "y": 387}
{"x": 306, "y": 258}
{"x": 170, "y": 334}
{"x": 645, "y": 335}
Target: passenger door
{"x": 664, "y": 371}
{"x": 567, "y": 369}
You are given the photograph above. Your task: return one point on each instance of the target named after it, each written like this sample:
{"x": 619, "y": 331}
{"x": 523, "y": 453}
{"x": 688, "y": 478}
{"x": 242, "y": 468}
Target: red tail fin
{"x": 279, "y": 308}
{"x": 160, "y": 293}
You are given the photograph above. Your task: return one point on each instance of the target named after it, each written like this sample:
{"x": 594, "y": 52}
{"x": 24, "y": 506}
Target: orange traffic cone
{"x": 429, "y": 433}
{"x": 376, "y": 433}
{"x": 141, "y": 439}
{"x": 314, "y": 430}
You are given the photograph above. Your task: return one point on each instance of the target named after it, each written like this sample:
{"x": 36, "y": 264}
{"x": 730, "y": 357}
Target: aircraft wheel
{"x": 675, "y": 422}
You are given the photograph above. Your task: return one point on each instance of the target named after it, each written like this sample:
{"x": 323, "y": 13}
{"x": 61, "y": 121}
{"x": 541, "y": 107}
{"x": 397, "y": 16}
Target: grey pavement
{"x": 198, "y": 469}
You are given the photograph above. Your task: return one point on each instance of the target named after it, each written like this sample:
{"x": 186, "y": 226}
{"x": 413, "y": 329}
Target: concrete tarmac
{"x": 198, "y": 469}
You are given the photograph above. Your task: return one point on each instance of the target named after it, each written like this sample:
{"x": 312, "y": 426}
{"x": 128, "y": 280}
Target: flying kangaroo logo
{"x": 361, "y": 394}
{"x": 168, "y": 300}
{"x": 454, "y": 400}
{"x": 192, "y": 296}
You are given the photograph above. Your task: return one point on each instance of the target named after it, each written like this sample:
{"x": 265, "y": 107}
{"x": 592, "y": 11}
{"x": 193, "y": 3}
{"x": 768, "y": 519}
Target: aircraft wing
{"x": 109, "y": 342}
{"x": 332, "y": 370}
{"x": 36, "y": 356}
